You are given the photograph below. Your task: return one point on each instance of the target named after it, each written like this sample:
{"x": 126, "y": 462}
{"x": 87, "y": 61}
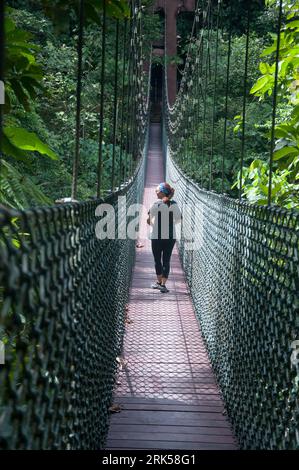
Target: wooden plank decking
{"x": 167, "y": 390}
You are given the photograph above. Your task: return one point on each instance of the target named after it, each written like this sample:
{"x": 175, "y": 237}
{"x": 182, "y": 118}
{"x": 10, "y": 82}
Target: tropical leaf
{"x": 262, "y": 84}
{"x": 285, "y": 151}
{"x": 8, "y": 149}
{"x": 24, "y": 140}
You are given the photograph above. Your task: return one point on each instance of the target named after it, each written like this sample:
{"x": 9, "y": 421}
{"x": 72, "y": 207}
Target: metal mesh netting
{"x": 244, "y": 281}
{"x": 63, "y": 296}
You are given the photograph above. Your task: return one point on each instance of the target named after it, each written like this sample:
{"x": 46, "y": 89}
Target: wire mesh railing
{"x": 62, "y": 308}
{"x": 240, "y": 259}
{"x": 241, "y": 263}
{"x": 63, "y": 290}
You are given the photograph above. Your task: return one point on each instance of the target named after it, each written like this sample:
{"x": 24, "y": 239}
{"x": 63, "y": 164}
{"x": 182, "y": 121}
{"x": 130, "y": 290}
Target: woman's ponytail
{"x": 166, "y": 199}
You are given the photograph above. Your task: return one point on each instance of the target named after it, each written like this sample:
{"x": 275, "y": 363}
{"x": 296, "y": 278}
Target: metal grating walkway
{"x": 166, "y": 388}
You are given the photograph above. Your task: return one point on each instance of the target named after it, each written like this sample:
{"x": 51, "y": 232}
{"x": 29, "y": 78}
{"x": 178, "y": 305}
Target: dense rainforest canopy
{"x": 41, "y": 63}
{"x": 237, "y": 117}
{"x": 40, "y": 111}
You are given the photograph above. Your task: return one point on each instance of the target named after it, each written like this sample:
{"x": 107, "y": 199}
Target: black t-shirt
{"x": 165, "y": 216}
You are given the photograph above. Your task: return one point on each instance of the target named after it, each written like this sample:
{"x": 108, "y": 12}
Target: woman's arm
{"x": 151, "y": 214}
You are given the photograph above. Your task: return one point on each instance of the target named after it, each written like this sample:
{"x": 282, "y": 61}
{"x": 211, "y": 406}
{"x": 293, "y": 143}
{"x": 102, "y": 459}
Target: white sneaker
{"x": 156, "y": 285}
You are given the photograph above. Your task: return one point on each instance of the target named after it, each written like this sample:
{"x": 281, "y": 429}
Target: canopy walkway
{"x": 167, "y": 392}
{"x": 95, "y": 359}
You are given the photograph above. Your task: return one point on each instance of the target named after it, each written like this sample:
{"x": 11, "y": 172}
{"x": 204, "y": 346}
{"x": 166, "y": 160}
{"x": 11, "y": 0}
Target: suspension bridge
{"x": 96, "y": 359}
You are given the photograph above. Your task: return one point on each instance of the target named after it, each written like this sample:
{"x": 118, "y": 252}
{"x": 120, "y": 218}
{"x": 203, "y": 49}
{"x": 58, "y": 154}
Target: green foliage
{"x": 22, "y": 73}
{"x": 23, "y": 79}
{"x": 223, "y": 118}
{"x": 209, "y": 123}
{"x": 17, "y": 189}
{"x": 50, "y": 30}
{"x": 59, "y": 10}
{"x": 286, "y": 132}
{"x": 255, "y": 185}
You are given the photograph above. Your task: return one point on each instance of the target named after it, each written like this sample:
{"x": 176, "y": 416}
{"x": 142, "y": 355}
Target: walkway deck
{"x": 167, "y": 390}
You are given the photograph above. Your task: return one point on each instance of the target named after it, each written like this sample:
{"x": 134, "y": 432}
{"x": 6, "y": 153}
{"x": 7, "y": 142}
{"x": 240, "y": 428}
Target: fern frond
{"x": 17, "y": 190}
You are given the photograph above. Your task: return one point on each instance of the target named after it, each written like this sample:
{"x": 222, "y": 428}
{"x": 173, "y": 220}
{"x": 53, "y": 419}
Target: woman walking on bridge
{"x": 163, "y": 216}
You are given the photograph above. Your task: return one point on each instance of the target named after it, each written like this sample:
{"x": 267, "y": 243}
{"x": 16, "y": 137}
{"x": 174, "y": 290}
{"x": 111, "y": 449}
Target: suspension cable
{"x": 208, "y": 23}
{"x": 78, "y": 101}
{"x": 132, "y": 108}
{"x": 274, "y": 103}
{"x": 115, "y": 103}
{"x": 226, "y": 96}
{"x": 122, "y": 102}
{"x": 215, "y": 95}
{"x": 2, "y": 7}
{"x": 199, "y": 92}
{"x": 101, "y": 131}
{"x": 244, "y": 102}
{"x": 129, "y": 94}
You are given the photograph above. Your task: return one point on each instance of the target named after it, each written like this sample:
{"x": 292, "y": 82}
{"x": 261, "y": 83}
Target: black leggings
{"x": 162, "y": 248}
